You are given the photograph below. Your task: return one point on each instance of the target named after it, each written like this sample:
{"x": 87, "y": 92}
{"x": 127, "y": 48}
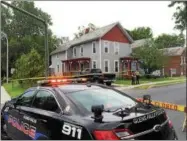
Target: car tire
{"x": 108, "y": 83}
{"x": 4, "y": 135}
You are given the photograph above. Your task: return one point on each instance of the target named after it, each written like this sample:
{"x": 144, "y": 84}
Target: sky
{"x": 68, "y": 15}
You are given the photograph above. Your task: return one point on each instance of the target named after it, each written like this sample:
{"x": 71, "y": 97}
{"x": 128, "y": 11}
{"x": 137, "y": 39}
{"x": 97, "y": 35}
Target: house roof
{"x": 174, "y": 51}
{"x": 98, "y": 33}
{"x": 139, "y": 43}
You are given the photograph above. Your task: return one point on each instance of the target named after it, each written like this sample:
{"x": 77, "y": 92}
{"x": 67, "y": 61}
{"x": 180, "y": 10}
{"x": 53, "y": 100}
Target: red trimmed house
{"x": 107, "y": 48}
{"x": 176, "y": 61}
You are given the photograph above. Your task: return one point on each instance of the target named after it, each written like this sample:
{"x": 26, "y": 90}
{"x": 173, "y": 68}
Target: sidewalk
{"x": 4, "y": 95}
{"x": 124, "y": 87}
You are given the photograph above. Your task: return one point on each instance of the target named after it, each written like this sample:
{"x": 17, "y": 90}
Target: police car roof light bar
{"x": 56, "y": 82}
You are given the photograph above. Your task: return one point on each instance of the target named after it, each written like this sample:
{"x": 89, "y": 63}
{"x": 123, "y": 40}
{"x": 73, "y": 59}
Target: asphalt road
{"x": 172, "y": 94}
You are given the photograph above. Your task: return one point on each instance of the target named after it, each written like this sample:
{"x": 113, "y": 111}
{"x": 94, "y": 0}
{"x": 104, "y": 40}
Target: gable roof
{"x": 139, "y": 43}
{"x": 96, "y": 34}
{"x": 173, "y": 51}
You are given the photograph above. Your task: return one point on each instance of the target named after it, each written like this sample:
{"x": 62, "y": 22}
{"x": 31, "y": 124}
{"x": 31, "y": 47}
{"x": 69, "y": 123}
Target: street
{"x": 173, "y": 94}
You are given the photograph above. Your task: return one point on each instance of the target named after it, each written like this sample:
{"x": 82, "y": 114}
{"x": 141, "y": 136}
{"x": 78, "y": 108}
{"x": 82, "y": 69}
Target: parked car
{"x": 96, "y": 75}
{"x": 82, "y": 112}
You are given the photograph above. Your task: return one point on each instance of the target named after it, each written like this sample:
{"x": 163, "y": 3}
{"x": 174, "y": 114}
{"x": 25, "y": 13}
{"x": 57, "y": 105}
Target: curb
{"x": 151, "y": 84}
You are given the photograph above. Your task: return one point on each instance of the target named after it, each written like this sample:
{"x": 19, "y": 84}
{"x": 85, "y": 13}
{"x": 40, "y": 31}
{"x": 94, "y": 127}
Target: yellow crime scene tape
{"x": 167, "y": 105}
{"x": 170, "y": 106}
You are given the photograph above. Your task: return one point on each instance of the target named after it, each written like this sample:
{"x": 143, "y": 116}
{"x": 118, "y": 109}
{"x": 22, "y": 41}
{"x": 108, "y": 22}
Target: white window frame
{"x": 93, "y": 48}
{"x": 108, "y": 65}
{"x": 115, "y": 66}
{"x": 93, "y": 64}
{"x": 74, "y": 52}
{"x": 116, "y": 47}
{"x": 58, "y": 68}
{"x": 81, "y": 53}
{"x": 106, "y": 42}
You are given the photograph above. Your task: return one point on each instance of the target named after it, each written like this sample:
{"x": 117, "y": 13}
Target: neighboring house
{"x": 176, "y": 61}
{"x": 107, "y": 48}
{"x": 140, "y": 43}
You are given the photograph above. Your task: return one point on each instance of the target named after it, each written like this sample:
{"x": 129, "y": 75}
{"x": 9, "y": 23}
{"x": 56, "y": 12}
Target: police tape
{"x": 166, "y": 105}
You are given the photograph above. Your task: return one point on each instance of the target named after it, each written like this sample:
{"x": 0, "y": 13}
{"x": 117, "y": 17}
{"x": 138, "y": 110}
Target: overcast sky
{"x": 67, "y": 16}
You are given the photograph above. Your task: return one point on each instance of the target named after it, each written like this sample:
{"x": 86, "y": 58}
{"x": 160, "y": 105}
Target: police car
{"x": 64, "y": 110}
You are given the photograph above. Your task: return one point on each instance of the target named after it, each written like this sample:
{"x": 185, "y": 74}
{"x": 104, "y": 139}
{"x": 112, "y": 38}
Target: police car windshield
{"x": 107, "y": 97}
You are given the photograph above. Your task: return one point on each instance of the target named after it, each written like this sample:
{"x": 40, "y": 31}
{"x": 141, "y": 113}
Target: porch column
{"x": 70, "y": 66}
{"x": 137, "y": 65}
{"x": 79, "y": 62}
{"x": 129, "y": 73}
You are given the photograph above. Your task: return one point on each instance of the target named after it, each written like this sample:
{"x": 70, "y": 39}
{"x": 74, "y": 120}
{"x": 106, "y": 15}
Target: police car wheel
{"x": 108, "y": 83}
{"x": 4, "y": 135}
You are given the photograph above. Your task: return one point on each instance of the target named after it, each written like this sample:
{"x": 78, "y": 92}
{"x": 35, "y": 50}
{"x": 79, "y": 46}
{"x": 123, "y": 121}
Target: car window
{"x": 26, "y": 98}
{"x": 96, "y": 71}
{"x": 107, "y": 97}
{"x": 46, "y": 101}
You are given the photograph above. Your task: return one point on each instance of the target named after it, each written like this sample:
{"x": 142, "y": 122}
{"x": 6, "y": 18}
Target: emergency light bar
{"x": 55, "y": 82}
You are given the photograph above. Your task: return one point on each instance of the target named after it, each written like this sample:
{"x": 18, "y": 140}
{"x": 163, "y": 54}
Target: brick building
{"x": 176, "y": 61}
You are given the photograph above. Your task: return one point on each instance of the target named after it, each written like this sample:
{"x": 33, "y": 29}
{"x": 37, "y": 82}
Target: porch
{"x": 75, "y": 66}
{"x": 127, "y": 66}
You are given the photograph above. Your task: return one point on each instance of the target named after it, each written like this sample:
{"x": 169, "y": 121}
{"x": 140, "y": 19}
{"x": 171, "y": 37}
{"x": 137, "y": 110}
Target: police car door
{"x": 17, "y": 127}
{"x": 46, "y": 111}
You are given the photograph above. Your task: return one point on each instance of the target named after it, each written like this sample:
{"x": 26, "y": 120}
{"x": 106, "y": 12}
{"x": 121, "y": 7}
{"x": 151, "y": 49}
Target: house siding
{"x": 174, "y": 62}
{"x": 115, "y": 34}
{"x": 124, "y": 50}
{"x": 87, "y": 52}
{"x": 58, "y": 61}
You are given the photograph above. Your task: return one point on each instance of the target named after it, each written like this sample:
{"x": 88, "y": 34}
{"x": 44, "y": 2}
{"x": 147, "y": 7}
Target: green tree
{"x": 180, "y": 15}
{"x": 141, "y": 33}
{"x": 29, "y": 65}
{"x": 24, "y": 33}
{"x": 167, "y": 40}
{"x": 151, "y": 57}
{"x": 82, "y": 30}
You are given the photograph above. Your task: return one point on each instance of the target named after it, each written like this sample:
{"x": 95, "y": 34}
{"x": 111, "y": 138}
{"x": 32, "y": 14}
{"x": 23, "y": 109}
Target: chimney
{"x": 87, "y": 30}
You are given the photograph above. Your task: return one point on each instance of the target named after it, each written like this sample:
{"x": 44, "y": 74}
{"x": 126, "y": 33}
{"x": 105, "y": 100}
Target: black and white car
{"x": 66, "y": 111}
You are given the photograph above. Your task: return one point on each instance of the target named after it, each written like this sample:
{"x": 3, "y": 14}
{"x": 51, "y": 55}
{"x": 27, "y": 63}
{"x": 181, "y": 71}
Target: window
{"x": 107, "y": 97}
{"x": 106, "y": 47}
{"x": 74, "y": 52}
{"x": 81, "y": 51}
{"x": 57, "y": 68}
{"x": 26, "y": 98}
{"x": 116, "y": 66}
{"x": 116, "y": 48}
{"x": 96, "y": 71}
{"x": 94, "y": 64}
{"x": 93, "y": 47}
{"x": 46, "y": 101}
{"x": 57, "y": 55}
{"x": 106, "y": 65}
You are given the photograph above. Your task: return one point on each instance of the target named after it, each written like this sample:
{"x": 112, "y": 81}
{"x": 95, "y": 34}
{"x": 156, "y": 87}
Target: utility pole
{"x": 46, "y": 34}
{"x": 7, "y": 70}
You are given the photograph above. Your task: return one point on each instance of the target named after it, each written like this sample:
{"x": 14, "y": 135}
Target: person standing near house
{"x": 137, "y": 77}
{"x": 133, "y": 78}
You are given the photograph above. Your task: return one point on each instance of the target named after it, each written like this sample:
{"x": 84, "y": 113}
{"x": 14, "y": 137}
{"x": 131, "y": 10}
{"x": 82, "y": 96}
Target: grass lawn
{"x": 14, "y": 90}
{"x": 144, "y": 80}
{"x": 161, "y": 84}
